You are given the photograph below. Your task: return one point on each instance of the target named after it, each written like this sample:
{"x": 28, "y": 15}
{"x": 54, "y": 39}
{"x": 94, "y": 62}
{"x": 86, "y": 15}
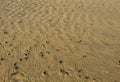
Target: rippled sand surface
{"x": 59, "y": 40}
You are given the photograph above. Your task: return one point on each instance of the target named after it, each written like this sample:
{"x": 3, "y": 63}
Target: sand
{"x": 59, "y": 40}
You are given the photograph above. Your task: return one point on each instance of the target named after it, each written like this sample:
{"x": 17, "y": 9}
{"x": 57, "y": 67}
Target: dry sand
{"x": 59, "y": 40}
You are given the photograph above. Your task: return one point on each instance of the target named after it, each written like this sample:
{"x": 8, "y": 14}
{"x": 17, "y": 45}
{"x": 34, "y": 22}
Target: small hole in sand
{"x": 86, "y": 77}
{"x": 79, "y": 76}
{"x": 80, "y": 70}
{"x": 20, "y": 59}
{"x": 12, "y": 22}
{"x": 26, "y": 58}
{"x": 57, "y": 50}
{"x": 84, "y": 56}
{"x": 15, "y": 64}
{"x": 16, "y": 67}
{"x": 6, "y": 42}
{"x": 43, "y": 45}
{"x": 42, "y": 54}
{"x": 119, "y": 62}
{"x": 60, "y": 61}
{"x": 5, "y": 32}
{"x": 26, "y": 54}
{"x": 2, "y": 59}
{"x": 8, "y": 54}
{"x": 94, "y": 79}
{"x": 45, "y": 72}
{"x": 20, "y": 21}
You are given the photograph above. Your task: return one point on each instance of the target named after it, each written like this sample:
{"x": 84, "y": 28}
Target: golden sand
{"x": 59, "y": 40}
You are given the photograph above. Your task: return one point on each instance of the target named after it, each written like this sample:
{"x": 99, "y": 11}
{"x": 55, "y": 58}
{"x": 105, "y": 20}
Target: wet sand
{"x": 59, "y": 40}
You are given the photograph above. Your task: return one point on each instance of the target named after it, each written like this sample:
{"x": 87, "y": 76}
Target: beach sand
{"x": 59, "y": 40}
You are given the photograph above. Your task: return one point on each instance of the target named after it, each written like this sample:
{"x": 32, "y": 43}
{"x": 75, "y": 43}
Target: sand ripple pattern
{"x": 59, "y": 41}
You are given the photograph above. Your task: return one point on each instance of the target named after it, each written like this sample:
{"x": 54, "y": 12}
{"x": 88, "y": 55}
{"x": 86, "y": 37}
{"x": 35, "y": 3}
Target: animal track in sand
{"x": 18, "y": 77}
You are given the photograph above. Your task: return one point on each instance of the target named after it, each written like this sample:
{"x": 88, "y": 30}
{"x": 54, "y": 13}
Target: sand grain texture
{"x": 59, "y": 40}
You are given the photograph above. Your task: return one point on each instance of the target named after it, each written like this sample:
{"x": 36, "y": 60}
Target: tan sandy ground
{"x": 59, "y": 40}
